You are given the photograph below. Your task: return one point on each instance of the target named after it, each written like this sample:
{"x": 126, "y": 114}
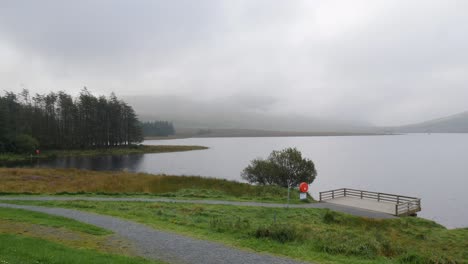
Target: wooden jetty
{"x": 398, "y": 205}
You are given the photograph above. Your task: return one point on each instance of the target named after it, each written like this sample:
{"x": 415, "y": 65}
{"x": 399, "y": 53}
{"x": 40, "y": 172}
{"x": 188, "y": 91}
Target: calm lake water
{"x": 432, "y": 167}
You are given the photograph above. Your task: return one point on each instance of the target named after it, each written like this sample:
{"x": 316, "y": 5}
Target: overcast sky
{"x": 386, "y": 62}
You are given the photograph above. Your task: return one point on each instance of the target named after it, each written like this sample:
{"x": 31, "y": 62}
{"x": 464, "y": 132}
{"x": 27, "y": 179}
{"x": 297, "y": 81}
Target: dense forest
{"x": 59, "y": 121}
{"x": 158, "y": 129}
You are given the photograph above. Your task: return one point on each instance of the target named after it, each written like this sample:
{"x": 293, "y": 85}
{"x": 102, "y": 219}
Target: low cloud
{"x": 381, "y": 62}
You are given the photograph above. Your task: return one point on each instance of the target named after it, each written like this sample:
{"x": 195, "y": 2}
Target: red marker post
{"x": 303, "y": 188}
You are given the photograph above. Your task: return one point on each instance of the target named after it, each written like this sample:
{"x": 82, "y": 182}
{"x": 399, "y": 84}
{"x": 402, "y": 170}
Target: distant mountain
{"x": 451, "y": 124}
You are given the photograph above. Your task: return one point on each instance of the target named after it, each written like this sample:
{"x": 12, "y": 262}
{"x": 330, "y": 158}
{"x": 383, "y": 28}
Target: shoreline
{"x": 81, "y": 183}
{"x": 273, "y": 134}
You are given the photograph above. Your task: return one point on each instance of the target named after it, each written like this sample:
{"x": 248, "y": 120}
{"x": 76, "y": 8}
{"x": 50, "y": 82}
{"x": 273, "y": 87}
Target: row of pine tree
{"x": 59, "y": 121}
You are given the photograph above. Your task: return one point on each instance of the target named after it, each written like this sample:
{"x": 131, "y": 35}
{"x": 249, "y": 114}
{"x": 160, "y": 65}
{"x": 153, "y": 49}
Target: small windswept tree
{"x": 286, "y": 168}
{"x": 259, "y": 172}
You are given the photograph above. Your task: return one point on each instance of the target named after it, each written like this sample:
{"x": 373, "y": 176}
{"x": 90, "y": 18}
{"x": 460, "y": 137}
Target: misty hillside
{"x": 234, "y": 114}
{"x": 452, "y": 124}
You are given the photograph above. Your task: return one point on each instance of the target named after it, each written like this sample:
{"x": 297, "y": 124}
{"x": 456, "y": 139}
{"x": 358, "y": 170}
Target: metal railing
{"x": 404, "y": 205}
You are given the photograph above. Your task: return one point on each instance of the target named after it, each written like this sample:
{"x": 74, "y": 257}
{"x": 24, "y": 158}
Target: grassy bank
{"x": 6, "y": 158}
{"x": 73, "y": 181}
{"x": 32, "y": 237}
{"x": 316, "y": 235}
{"x": 17, "y": 215}
{"x": 23, "y": 249}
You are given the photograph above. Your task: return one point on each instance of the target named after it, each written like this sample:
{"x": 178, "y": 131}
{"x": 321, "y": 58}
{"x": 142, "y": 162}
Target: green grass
{"x": 20, "y": 249}
{"x": 11, "y": 158}
{"x": 19, "y": 215}
{"x": 66, "y": 233}
{"x": 316, "y": 235}
{"x": 84, "y": 182}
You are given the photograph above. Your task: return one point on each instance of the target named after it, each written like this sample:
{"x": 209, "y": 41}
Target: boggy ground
{"x": 111, "y": 183}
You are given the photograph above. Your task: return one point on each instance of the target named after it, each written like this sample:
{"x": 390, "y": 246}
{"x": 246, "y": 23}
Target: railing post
{"x": 361, "y": 194}
{"x": 396, "y": 209}
{"x": 345, "y": 192}
{"x": 333, "y": 194}
{"x": 398, "y": 199}
{"x": 378, "y": 197}
{"x": 320, "y": 195}
{"x": 408, "y": 208}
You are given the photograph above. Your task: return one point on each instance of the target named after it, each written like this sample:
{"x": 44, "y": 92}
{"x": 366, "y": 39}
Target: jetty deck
{"x": 398, "y": 205}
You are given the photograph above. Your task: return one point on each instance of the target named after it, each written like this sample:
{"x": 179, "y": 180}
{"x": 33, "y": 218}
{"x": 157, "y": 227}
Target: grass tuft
{"x": 280, "y": 232}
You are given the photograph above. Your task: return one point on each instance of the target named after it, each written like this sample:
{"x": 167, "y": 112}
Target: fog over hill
{"x": 253, "y": 116}
{"x": 236, "y": 113}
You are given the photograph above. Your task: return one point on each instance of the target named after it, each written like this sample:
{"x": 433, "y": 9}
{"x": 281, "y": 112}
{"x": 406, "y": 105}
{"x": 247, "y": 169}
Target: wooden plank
{"x": 365, "y": 204}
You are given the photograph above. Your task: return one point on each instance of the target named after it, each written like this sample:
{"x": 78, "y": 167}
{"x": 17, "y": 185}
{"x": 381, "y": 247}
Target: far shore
{"x": 11, "y": 158}
{"x": 212, "y": 133}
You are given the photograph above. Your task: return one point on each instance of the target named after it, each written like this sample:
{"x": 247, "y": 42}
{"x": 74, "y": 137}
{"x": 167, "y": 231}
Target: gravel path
{"x": 165, "y": 246}
{"x": 336, "y": 207}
